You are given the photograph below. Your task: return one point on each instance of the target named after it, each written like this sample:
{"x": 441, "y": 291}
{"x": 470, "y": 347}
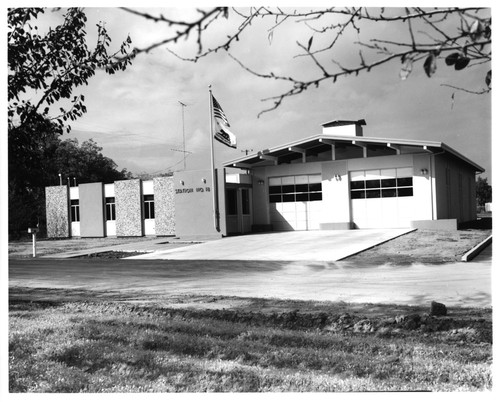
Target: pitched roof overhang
{"x": 323, "y": 143}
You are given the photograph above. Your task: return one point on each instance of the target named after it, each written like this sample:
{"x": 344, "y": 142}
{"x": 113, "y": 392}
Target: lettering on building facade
{"x": 191, "y": 190}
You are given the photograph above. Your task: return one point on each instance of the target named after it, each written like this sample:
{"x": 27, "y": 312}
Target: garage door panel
{"x": 288, "y": 207}
{"x": 390, "y": 212}
{"x": 359, "y": 212}
{"x": 373, "y": 215}
{"x": 300, "y": 209}
{"x": 300, "y": 225}
{"x": 406, "y": 206}
{"x": 382, "y": 198}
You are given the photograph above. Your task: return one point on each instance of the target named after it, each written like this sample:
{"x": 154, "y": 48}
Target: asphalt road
{"x": 456, "y": 284}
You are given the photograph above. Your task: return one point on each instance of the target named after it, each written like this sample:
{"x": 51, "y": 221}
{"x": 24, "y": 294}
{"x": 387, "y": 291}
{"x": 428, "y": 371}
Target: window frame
{"x": 299, "y": 188}
{"x": 148, "y": 202}
{"x": 110, "y": 208}
{"x": 388, "y": 187}
{"x": 74, "y": 210}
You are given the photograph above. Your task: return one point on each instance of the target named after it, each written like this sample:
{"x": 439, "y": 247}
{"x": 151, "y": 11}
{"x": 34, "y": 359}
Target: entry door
{"x": 382, "y": 198}
{"x": 295, "y": 202}
{"x": 239, "y": 210}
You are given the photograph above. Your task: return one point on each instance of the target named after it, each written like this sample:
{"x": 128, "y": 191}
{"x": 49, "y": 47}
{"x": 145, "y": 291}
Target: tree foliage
{"x": 33, "y": 168}
{"x": 44, "y": 69}
{"x": 458, "y": 38}
{"x": 84, "y": 162}
{"x": 483, "y": 191}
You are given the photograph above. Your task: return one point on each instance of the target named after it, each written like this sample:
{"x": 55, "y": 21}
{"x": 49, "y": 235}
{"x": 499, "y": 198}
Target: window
{"x": 231, "y": 201}
{"x": 75, "y": 210}
{"x": 110, "y": 209}
{"x": 149, "y": 207}
{"x": 245, "y": 201}
{"x": 295, "y": 188}
{"x": 387, "y": 183}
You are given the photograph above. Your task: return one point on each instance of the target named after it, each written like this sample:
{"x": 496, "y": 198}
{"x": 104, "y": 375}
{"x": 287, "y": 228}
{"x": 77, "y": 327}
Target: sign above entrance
{"x": 192, "y": 190}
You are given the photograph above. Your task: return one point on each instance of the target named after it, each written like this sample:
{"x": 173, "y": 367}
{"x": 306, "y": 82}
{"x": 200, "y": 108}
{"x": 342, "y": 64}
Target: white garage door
{"x": 382, "y": 198}
{"x": 295, "y": 202}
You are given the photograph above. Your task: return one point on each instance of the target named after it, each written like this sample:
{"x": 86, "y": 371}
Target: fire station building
{"x": 339, "y": 179}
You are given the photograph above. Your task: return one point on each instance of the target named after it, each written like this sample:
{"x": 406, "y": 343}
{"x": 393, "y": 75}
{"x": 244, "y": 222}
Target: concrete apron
{"x": 321, "y": 245}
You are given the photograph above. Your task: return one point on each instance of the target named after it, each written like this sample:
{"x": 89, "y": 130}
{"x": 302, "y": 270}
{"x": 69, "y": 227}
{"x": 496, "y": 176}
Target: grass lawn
{"x": 223, "y": 344}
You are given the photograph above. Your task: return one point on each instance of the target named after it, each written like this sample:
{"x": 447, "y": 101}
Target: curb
{"x": 473, "y": 252}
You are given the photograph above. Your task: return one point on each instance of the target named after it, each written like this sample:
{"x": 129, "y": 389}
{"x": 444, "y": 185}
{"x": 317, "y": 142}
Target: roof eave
{"x": 373, "y": 140}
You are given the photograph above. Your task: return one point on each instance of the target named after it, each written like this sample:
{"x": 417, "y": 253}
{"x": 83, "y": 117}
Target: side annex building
{"x": 338, "y": 179}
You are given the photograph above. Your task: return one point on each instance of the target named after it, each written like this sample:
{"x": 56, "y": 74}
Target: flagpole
{"x": 215, "y": 190}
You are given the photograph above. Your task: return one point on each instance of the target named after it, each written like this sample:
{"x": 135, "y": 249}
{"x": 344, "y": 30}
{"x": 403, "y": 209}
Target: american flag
{"x": 223, "y": 134}
{"x": 218, "y": 112}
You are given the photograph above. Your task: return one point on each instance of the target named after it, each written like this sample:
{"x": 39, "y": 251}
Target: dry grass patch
{"x": 24, "y": 249}
{"x": 424, "y": 246}
{"x": 116, "y": 346}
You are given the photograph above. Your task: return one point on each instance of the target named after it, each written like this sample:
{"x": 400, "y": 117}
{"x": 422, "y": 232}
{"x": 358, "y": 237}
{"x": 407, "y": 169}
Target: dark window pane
{"x": 288, "y": 189}
{"x": 372, "y": 193}
{"x": 405, "y": 181}
{"x": 357, "y": 185}
{"x": 151, "y": 210}
{"x": 149, "y": 197}
{"x": 301, "y": 188}
{"x": 245, "y": 201}
{"x": 288, "y": 197}
{"x": 405, "y": 192}
{"x": 315, "y": 187}
{"x": 391, "y": 192}
{"x": 110, "y": 200}
{"x": 275, "y": 198}
{"x": 274, "y": 189}
{"x": 373, "y": 183}
{"x": 388, "y": 183}
{"x": 75, "y": 202}
{"x": 231, "y": 202}
{"x": 356, "y": 195}
{"x": 75, "y": 213}
{"x": 315, "y": 196}
{"x": 302, "y": 197}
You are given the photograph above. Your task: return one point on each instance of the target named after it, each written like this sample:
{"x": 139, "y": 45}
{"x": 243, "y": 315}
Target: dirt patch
{"x": 23, "y": 249}
{"x": 467, "y": 324}
{"x": 111, "y": 254}
{"x": 424, "y": 246}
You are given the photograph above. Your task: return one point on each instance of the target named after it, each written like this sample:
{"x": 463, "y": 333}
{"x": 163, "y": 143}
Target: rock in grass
{"x": 438, "y": 309}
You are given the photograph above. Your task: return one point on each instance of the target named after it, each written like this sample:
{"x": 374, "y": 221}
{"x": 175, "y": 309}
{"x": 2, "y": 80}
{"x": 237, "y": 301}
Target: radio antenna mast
{"x": 183, "y": 105}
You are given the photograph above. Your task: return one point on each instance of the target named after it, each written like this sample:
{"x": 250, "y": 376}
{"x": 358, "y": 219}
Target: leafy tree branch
{"x": 459, "y": 36}
{"x": 49, "y": 67}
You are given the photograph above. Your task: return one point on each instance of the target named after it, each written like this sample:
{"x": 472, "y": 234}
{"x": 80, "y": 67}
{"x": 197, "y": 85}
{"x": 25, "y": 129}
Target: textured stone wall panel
{"x": 56, "y": 203}
{"x": 128, "y": 208}
{"x": 164, "y": 206}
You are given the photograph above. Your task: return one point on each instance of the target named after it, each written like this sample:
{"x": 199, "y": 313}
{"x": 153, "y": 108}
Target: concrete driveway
{"x": 321, "y": 245}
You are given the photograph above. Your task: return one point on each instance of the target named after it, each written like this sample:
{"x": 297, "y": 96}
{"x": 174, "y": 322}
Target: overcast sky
{"x": 137, "y": 118}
